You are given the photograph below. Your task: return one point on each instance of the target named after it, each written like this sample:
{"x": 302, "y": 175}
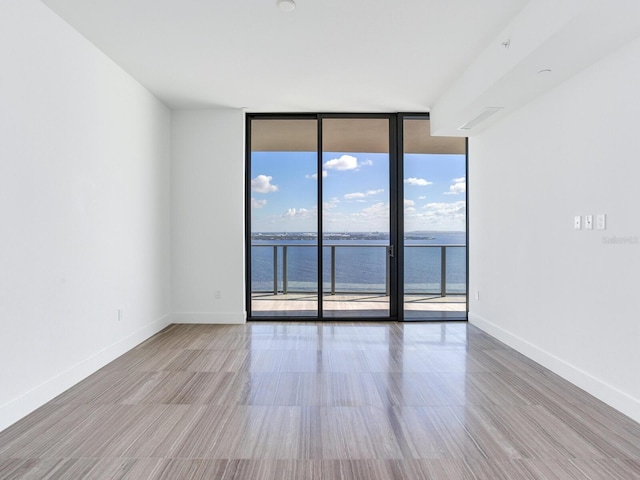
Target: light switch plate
{"x": 577, "y": 222}
{"x": 601, "y": 221}
{"x": 588, "y": 222}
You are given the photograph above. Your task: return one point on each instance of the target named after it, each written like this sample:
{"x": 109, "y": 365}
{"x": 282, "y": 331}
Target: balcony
{"x": 356, "y": 279}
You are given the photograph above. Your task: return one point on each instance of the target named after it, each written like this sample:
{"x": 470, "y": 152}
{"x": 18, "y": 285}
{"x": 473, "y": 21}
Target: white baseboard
{"x": 26, "y": 403}
{"x": 214, "y": 318}
{"x": 612, "y": 396}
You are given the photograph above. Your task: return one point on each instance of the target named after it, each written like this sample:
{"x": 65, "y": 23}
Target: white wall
{"x": 207, "y": 209}
{"x": 561, "y": 296}
{"x": 84, "y": 203}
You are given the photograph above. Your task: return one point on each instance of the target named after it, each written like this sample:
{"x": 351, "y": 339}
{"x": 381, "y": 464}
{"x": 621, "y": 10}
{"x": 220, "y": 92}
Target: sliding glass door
{"x": 435, "y": 219}
{"x": 357, "y": 261}
{"x": 284, "y": 217}
{"x": 354, "y": 216}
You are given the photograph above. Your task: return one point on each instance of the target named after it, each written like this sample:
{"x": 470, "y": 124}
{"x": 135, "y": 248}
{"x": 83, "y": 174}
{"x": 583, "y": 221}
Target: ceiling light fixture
{"x": 286, "y": 5}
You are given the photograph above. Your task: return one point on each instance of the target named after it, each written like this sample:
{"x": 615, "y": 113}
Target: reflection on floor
{"x": 323, "y": 401}
{"x": 358, "y": 305}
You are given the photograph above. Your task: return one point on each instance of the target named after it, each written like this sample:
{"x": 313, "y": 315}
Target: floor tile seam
{"x": 464, "y": 460}
{"x": 125, "y": 381}
{"x": 515, "y": 438}
{"x": 403, "y": 456}
{"x": 522, "y": 468}
{"x": 77, "y": 426}
{"x": 590, "y": 425}
{"x": 550, "y": 434}
{"x": 105, "y": 443}
{"x": 335, "y": 403}
{"x": 383, "y": 403}
{"x": 399, "y": 433}
{"x": 469, "y": 433}
{"x": 594, "y": 438}
{"x": 18, "y": 430}
{"x": 590, "y": 475}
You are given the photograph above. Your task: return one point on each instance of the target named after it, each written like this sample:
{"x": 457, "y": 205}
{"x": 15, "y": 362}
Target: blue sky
{"x": 356, "y": 192}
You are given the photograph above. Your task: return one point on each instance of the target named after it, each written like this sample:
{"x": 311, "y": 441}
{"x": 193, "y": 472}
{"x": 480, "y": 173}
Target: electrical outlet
{"x": 588, "y": 222}
{"x": 601, "y": 221}
{"x": 577, "y": 222}
{"x": 217, "y": 295}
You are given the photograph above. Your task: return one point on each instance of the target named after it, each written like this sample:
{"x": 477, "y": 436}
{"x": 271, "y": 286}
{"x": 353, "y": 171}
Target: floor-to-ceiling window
{"x": 329, "y": 197}
{"x": 435, "y": 223}
{"x": 357, "y": 263}
{"x": 283, "y": 186}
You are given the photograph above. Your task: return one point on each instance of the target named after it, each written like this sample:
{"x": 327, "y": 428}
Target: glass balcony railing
{"x": 357, "y": 268}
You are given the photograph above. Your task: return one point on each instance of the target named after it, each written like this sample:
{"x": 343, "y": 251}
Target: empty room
{"x": 337, "y": 239}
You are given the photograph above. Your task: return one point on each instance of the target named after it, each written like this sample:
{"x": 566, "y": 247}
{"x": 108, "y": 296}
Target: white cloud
{"x": 436, "y": 216}
{"x": 459, "y": 186}
{"x": 353, "y": 196}
{"x": 257, "y": 203}
{"x": 315, "y": 175}
{"x": 422, "y": 197}
{"x": 409, "y": 206}
{"x": 298, "y": 212}
{"x": 445, "y": 209}
{"x": 356, "y": 195}
{"x": 262, "y": 184}
{"x": 420, "y": 182}
{"x": 373, "y": 217}
{"x": 380, "y": 210}
{"x": 345, "y": 162}
{"x": 366, "y": 163}
{"x": 332, "y": 203}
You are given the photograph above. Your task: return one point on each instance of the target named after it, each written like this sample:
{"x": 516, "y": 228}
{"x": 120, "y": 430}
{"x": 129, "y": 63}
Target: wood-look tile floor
{"x": 322, "y": 401}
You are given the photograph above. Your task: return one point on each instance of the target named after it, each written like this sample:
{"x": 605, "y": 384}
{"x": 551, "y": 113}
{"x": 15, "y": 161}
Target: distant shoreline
{"x": 356, "y": 236}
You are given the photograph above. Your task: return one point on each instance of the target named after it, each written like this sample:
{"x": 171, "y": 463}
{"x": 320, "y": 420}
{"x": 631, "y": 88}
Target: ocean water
{"x": 360, "y": 264}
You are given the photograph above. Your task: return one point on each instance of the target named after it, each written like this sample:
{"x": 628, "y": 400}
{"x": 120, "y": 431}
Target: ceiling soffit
{"x": 347, "y": 135}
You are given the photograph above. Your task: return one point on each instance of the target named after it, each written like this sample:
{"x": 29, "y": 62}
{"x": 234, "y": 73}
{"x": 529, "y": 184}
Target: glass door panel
{"x": 435, "y": 257}
{"x": 284, "y": 217}
{"x": 323, "y": 218}
{"x": 356, "y": 217}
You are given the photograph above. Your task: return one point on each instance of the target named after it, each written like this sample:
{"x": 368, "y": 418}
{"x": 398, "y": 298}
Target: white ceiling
{"x": 326, "y": 55}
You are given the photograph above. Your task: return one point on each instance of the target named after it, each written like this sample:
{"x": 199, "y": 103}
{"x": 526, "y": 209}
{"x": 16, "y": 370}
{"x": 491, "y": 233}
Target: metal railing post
{"x": 284, "y": 269}
{"x": 333, "y": 269}
{"x": 443, "y": 271}
{"x": 387, "y": 281}
{"x": 275, "y": 270}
